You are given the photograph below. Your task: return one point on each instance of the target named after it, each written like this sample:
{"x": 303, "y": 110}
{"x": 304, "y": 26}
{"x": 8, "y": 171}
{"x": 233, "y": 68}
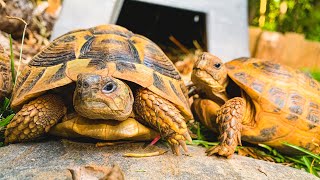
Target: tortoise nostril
{"x": 79, "y": 84}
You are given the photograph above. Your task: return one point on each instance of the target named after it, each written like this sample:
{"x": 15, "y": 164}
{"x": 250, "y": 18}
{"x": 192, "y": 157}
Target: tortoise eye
{"x": 85, "y": 84}
{"x": 109, "y": 87}
{"x": 217, "y": 65}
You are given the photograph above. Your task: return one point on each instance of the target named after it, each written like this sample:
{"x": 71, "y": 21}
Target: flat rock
{"x": 53, "y": 160}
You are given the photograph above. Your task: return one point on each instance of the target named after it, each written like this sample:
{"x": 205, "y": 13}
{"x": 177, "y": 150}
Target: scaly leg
{"x": 162, "y": 116}
{"x": 229, "y": 121}
{"x": 206, "y": 111}
{"x": 35, "y": 119}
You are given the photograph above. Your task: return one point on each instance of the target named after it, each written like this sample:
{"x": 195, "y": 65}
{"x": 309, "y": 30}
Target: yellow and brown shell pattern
{"x": 290, "y": 97}
{"x": 108, "y": 50}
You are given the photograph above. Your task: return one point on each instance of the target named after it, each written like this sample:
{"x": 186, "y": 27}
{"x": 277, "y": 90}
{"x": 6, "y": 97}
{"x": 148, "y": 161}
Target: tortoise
{"x": 257, "y": 101}
{"x": 104, "y": 82}
{"x": 5, "y": 75}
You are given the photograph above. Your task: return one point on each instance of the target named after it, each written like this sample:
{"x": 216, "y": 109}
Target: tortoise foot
{"x": 163, "y": 117}
{"x": 178, "y": 140}
{"x": 221, "y": 150}
{"x": 35, "y": 119}
{"x": 229, "y": 120}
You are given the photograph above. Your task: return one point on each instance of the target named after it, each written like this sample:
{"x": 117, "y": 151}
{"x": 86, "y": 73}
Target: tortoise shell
{"x": 5, "y": 74}
{"x": 108, "y": 50}
{"x": 286, "y": 101}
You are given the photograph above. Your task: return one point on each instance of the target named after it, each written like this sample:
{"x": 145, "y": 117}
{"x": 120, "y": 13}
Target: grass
{"x": 6, "y": 113}
{"x": 314, "y": 73}
{"x": 308, "y": 161}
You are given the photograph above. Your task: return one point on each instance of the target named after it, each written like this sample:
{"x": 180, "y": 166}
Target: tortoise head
{"x": 100, "y": 97}
{"x": 210, "y": 76}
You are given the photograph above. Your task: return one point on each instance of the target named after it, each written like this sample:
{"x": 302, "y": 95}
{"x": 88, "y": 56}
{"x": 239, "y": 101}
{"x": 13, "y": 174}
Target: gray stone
{"x": 53, "y": 159}
{"x": 227, "y": 26}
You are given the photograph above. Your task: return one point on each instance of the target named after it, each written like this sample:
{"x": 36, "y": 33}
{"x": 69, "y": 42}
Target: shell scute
{"x": 289, "y": 98}
{"x": 108, "y": 50}
{"x": 153, "y": 57}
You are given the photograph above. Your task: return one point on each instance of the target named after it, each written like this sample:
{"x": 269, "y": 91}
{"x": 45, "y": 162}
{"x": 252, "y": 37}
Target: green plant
{"x": 301, "y": 16}
{"x": 308, "y": 160}
{"x": 315, "y": 75}
{"x": 6, "y": 113}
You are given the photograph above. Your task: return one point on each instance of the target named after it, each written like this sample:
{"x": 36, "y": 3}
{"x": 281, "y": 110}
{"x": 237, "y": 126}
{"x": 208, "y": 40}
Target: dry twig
{"x": 2, "y": 3}
{"x": 23, "y": 35}
{"x": 138, "y": 155}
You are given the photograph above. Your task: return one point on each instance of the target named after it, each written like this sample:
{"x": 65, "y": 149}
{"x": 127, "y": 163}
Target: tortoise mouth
{"x": 94, "y": 104}
{"x": 95, "y": 108}
{"x": 204, "y": 75}
{"x": 206, "y": 82}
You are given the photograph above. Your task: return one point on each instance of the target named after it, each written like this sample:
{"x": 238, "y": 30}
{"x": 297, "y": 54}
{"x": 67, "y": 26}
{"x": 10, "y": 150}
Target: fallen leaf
{"x": 94, "y": 172}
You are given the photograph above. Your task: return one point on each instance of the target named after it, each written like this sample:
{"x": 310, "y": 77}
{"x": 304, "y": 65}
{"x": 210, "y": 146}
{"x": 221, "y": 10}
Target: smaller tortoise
{"x": 116, "y": 79}
{"x": 5, "y": 75}
{"x": 256, "y": 101}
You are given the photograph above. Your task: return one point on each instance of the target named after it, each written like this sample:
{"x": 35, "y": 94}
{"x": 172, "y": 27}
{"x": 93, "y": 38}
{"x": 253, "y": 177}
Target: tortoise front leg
{"x": 229, "y": 121}
{"x": 206, "y": 111}
{"x": 162, "y": 116}
{"x": 35, "y": 119}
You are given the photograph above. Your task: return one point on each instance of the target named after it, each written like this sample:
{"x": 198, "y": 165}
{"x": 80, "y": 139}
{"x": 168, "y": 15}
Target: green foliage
{"x": 12, "y": 59}
{"x": 308, "y": 160}
{"x": 6, "y": 114}
{"x": 302, "y": 16}
{"x": 313, "y": 72}
{"x": 315, "y": 75}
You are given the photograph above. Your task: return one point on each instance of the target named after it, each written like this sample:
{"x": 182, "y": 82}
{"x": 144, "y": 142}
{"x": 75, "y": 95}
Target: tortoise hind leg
{"x": 162, "y": 116}
{"x": 229, "y": 120}
{"x": 35, "y": 119}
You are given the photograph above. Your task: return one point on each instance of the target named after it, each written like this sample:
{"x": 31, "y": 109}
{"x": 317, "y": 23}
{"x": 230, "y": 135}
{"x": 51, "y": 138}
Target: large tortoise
{"x": 5, "y": 75}
{"x": 115, "y": 77}
{"x": 257, "y": 101}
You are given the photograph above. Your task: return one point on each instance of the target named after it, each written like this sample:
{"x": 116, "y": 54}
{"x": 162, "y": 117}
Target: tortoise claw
{"x": 187, "y": 136}
{"x": 175, "y": 149}
{"x": 183, "y": 145}
{"x": 221, "y": 150}
{"x": 178, "y": 140}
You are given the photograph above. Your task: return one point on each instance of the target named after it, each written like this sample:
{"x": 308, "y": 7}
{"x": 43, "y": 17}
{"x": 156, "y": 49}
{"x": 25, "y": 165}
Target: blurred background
{"x": 286, "y": 31}
{"x": 300, "y": 16}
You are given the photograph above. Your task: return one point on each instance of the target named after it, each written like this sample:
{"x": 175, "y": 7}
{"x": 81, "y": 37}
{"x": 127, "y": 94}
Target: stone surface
{"x": 53, "y": 159}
